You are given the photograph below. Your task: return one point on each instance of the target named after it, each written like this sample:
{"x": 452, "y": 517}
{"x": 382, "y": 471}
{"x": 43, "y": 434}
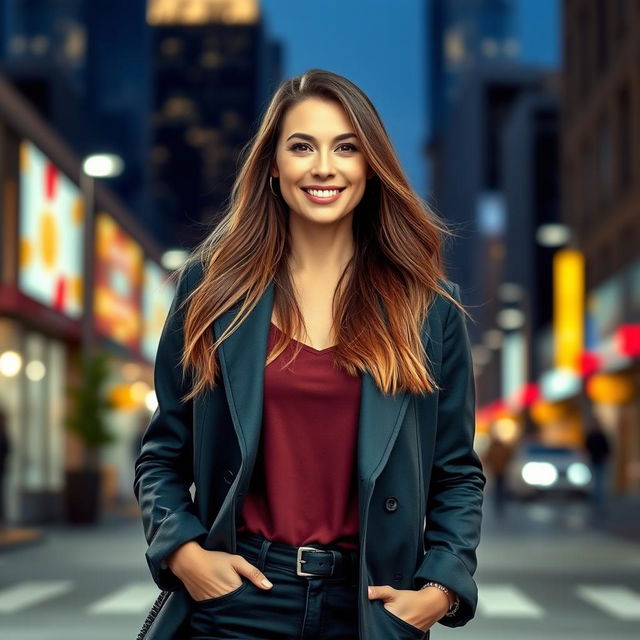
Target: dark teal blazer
{"x": 414, "y": 448}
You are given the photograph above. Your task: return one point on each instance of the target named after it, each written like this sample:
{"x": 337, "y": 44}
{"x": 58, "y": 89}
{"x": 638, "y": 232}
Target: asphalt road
{"x": 544, "y": 572}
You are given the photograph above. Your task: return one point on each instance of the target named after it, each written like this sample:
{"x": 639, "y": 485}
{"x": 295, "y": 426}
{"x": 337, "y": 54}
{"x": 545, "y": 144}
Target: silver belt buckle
{"x": 299, "y": 561}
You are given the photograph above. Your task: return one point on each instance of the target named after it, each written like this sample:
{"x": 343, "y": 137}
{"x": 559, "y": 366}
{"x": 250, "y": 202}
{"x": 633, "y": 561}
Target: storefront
{"x": 32, "y": 375}
{"x": 42, "y": 321}
{"x": 40, "y": 315}
{"x": 613, "y": 387}
{"x": 132, "y": 296}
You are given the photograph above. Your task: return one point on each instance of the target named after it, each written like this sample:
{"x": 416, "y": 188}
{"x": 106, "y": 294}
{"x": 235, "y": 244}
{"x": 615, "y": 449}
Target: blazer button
{"x": 228, "y": 476}
{"x": 390, "y": 504}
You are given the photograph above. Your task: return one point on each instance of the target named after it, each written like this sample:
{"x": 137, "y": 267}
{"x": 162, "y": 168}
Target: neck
{"x": 320, "y": 250}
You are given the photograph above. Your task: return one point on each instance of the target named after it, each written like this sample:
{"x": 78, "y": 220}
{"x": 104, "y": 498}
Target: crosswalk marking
{"x": 31, "y": 592}
{"x": 620, "y": 602}
{"x": 136, "y": 597}
{"x": 506, "y": 601}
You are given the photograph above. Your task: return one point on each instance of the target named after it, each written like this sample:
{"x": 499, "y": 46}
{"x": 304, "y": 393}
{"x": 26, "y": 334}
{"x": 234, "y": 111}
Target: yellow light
{"x": 139, "y": 392}
{"x": 568, "y": 307}
{"x": 203, "y": 12}
{"x": 610, "y": 388}
{"x": 545, "y": 412}
{"x": 506, "y": 429}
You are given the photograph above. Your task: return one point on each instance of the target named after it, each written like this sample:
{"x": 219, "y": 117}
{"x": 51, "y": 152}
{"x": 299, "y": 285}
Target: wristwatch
{"x": 453, "y": 609}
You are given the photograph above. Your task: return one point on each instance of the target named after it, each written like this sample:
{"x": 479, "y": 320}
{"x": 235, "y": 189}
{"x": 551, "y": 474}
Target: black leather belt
{"x": 307, "y": 560}
{"x": 311, "y": 561}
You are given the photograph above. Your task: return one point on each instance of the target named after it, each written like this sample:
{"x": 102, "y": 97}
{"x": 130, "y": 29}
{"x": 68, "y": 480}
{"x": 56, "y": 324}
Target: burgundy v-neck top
{"x": 304, "y": 488}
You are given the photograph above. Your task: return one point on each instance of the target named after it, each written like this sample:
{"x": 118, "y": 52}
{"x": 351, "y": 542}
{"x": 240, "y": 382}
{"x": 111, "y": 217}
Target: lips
{"x": 307, "y": 189}
{"x": 322, "y": 199}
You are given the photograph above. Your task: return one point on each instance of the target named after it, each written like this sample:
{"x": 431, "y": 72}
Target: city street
{"x": 543, "y": 573}
{"x": 435, "y": 201}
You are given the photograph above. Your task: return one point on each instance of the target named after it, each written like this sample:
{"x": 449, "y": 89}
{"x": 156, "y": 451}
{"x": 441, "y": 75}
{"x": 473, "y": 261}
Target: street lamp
{"x": 103, "y": 165}
{"x": 98, "y": 165}
{"x": 553, "y": 234}
{"x": 173, "y": 258}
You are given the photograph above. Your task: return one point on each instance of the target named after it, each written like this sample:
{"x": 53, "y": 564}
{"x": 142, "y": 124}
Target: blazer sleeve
{"x": 163, "y": 468}
{"x": 454, "y": 504}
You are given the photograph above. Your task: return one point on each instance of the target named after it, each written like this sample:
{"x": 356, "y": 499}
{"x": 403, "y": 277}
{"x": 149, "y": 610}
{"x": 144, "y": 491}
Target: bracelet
{"x": 453, "y": 609}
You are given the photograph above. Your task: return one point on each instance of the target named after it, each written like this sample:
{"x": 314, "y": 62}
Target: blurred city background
{"x": 518, "y": 121}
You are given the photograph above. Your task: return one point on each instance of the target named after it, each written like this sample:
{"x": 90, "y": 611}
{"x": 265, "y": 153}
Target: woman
{"x": 315, "y": 384}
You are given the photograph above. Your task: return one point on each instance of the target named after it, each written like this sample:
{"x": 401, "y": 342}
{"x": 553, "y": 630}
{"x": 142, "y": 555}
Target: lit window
{"x": 454, "y": 48}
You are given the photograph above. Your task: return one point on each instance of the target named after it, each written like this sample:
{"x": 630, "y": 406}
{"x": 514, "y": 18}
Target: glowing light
{"x": 541, "y": 474}
{"x": 103, "y": 165}
{"x": 151, "y": 401}
{"x": 553, "y": 234}
{"x": 35, "y": 370}
{"x": 579, "y": 474}
{"x": 10, "y": 363}
{"x": 506, "y": 429}
{"x": 203, "y": 12}
{"x": 173, "y": 258}
{"x": 139, "y": 391}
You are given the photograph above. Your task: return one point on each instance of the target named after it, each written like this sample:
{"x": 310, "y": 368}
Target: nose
{"x": 324, "y": 164}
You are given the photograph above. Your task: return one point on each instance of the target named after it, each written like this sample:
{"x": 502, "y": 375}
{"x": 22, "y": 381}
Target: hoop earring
{"x": 271, "y": 186}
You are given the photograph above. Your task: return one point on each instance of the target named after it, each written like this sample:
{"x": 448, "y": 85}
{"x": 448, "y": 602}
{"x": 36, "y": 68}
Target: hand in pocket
{"x": 212, "y": 574}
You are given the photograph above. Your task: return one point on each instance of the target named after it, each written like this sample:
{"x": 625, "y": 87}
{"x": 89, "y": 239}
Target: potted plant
{"x": 86, "y": 419}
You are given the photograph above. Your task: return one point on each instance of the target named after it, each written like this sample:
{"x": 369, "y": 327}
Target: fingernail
{"x": 266, "y": 583}
{"x": 369, "y": 590}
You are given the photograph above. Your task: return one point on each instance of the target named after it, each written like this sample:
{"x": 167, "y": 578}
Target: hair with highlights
{"x": 383, "y": 294}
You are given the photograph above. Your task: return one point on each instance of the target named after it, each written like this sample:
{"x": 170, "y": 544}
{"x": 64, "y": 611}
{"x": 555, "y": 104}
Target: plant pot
{"x": 82, "y": 495}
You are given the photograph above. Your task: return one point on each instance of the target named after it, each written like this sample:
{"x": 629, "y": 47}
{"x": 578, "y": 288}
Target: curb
{"x": 15, "y": 538}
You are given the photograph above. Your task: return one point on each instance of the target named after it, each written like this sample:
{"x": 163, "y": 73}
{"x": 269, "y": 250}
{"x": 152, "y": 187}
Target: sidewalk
{"x": 622, "y": 517}
{"x": 564, "y": 516}
{"x": 16, "y": 536}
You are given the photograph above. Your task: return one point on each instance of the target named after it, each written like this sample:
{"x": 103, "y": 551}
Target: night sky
{"x": 376, "y": 45}
{"x": 380, "y": 45}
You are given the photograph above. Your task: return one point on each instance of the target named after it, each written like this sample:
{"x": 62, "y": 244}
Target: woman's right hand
{"x": 210, "y": 574}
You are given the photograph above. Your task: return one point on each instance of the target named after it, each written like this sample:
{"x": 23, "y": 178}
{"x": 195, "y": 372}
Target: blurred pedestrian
{"x": 497, "y": 458}
{"x": 597, "y": 445}
{"x": 5, "y": 448}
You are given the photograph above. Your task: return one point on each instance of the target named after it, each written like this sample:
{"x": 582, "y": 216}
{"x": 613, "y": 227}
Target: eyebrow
{"x": 306, "y": 136}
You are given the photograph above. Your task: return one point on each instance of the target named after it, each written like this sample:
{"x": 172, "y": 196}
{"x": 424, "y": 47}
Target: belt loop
{"x": 266, "y": 543}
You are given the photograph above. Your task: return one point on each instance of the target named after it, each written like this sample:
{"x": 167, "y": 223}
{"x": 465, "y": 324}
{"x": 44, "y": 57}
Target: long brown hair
{"x": 382, "y": 296}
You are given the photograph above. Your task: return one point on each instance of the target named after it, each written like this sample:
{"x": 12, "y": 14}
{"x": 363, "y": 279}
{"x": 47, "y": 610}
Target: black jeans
{"x": 295, "y": 608}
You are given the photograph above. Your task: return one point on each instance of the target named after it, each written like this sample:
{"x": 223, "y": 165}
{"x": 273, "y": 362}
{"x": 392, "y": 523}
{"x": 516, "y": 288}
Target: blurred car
{"x": 537, "y": 470}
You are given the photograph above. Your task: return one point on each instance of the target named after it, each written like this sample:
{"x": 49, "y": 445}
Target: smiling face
{"x": 318, "y": 148}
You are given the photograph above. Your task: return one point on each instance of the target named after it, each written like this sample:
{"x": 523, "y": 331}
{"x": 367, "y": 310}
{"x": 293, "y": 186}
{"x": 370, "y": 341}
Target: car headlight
{"x": 541, "y": 474}
{"x": 578, "y": 473}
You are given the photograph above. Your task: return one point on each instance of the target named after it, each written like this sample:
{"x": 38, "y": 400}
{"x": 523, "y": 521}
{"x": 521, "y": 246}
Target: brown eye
{"x": 297, "y": 145}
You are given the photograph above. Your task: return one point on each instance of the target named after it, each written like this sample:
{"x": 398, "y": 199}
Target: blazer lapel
{"x": 242, "y": 356}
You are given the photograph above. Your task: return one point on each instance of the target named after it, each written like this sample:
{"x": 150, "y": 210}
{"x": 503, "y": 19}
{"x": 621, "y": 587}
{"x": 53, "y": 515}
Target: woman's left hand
{"x": 421, "y": 608}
